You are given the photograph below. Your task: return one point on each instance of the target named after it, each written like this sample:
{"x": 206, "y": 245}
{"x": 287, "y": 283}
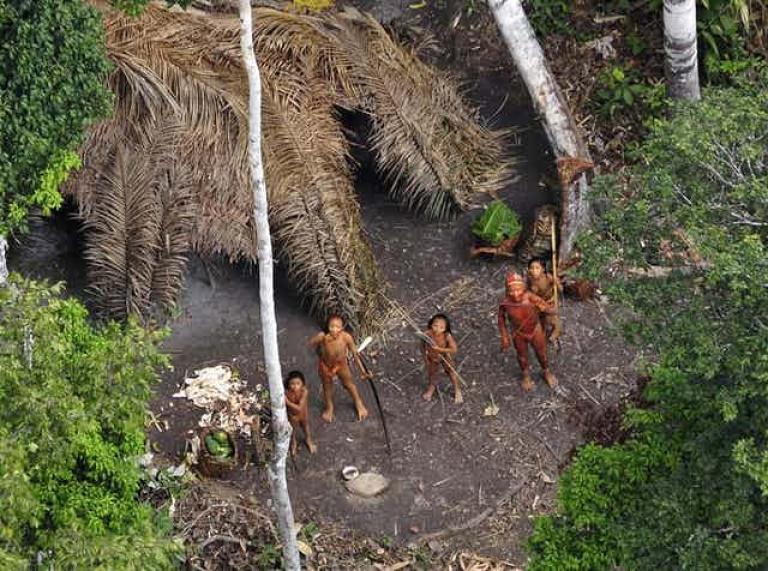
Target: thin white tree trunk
{"x": 3, "y": 266}
{"x": 681, "y": 62}
{"x": 280, "y": 425}
{"x": 550, "y": 104}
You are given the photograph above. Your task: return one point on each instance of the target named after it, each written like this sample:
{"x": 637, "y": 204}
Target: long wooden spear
{"x": 369, "y": 374}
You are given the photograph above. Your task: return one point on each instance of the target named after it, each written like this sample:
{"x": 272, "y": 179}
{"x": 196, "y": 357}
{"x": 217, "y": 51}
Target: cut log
{"x": 550, "y": 104}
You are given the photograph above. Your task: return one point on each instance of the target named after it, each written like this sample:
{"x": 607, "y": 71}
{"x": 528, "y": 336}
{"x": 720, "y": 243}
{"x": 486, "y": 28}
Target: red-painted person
{"x": 523, "y": 309}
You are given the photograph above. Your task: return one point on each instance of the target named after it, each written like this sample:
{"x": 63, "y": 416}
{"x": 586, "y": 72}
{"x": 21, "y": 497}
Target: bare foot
{"x": 362, "y": 412}
{"x": 551, "y": 380}
{"x": 427, "y": 395}
{"x": 457, "y": 398}
{"x": 527, "y": 383}
{"x": 312, "y": 447}
{"x": 327, "y": 415}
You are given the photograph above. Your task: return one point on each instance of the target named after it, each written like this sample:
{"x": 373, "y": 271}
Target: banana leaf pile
{"x": 499, "y": 222}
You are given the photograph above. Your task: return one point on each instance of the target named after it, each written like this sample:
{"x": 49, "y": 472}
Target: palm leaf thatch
{"x": 123, "y": 227}
{"x": 177, "y": 218}
{"x": 183, "y": 72}
{"x": 317, "y": 225}
{"x": 429, "y": 145}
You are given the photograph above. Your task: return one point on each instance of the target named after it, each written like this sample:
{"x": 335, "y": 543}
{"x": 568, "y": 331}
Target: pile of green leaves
{"x": 689, "y": 490}
{"x": 497, "y": 223}
{"x": 71, "y": 428}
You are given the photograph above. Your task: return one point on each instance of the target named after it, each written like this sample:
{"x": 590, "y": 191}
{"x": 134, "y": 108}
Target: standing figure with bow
{"x": 522, "y": 309}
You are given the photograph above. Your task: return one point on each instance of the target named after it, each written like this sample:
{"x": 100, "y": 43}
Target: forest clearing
{"x": 387, "y": 131}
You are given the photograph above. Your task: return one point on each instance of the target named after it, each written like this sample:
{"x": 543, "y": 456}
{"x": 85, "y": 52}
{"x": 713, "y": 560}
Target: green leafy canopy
{"x": 70, "y": 432}
{"x": 690, "y": 489}
{"x": 53, "y": 69}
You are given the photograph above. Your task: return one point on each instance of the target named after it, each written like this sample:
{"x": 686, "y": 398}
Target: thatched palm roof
{"x": 168, "y": 173}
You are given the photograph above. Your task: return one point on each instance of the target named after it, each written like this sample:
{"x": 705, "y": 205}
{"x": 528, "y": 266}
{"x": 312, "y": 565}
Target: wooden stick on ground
{"x": 479, "y": 518}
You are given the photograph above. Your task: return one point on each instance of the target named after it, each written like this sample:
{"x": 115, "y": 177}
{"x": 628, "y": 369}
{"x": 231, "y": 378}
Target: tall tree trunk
{"x": 681, "y": 62}
{"x": 3, "y": 266}
{"x": 280, "y": 425}
{"x": 550, "y": 104}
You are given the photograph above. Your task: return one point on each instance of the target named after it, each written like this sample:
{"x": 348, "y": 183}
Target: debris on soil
{"x": 209, "y": 385}
{"x": 224, "y": 529}
{"x": 221, "y": 392}
{"x": 492, "y": 409}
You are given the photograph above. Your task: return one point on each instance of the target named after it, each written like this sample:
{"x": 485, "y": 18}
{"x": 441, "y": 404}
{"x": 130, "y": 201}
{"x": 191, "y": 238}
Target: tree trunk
{"x": 280, "y": 424}
{"x": 550, "y": 104}
{"x": 681, "y": 62}
{"x": 3, "y": 266}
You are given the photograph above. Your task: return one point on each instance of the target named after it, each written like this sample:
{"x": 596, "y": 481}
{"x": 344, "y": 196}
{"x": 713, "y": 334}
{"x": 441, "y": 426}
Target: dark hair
{"x": 539, "y": 261}
{"x": 442, "y": 316}
{"x": 332, "y": 317}
{"x": 294, "y": 375}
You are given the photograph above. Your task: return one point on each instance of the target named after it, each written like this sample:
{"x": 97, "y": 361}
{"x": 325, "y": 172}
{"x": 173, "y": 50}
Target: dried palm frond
{"x": 138, "y": 214}
{"x": 123, "y": 229}
{"x": 316, "y": 222}
{"x": 187, "y": 69}
{"x": 178, "y": 215}
{"x": 428, "y": 143}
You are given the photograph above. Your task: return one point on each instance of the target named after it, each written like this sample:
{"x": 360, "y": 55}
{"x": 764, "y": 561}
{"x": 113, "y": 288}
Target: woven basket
{"x": 209, "y": 465}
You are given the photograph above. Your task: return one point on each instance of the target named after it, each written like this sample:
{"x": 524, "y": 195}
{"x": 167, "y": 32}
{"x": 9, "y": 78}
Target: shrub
{"x": 71, "y": 428}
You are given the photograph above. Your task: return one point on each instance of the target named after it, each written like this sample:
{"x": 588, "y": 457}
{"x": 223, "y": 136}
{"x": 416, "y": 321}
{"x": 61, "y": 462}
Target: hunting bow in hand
{"x": 369, "y": 374}
{"x": 431, "y": 342}
{"x": 554, "y": 278}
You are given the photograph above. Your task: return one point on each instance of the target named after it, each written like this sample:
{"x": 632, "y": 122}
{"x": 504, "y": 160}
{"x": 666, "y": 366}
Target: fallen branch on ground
{"x": 479, "y": 518}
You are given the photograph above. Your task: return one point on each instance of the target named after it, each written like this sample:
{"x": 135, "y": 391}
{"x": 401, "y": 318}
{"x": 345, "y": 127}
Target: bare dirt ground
{"x": 461, "y": 477}
{"x": 449, "y": 462}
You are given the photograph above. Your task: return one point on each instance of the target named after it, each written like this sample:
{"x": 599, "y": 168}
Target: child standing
{"x": 440, "y": 351}
{"x": 297, "y": 401}
{"x": 543, "y": 284}
{"x": 333, "y": 346}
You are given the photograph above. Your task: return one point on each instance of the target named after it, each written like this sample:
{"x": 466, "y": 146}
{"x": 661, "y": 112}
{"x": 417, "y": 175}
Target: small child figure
{"x": 543, "y": 285}
{"x": 297, "y": 401}
{"x": 440, "y": 351}
{"x": 333, "y": 345}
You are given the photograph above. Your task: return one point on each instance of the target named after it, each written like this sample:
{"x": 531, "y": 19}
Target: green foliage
{"x": 621, "y": 91}
{"x": 723, "y": 27}
{"x": 52, "y": 86}
{"x": 617, "y": 89}
{"x": 549, "y": 16}
{"x": 309, "y": 532}
{"x": 690, "y": 489}
{"x": 70, "y": 432}
{"x": 269, "y": 557}
{"x": 496, "y": 223}
{"x": 134, "y": 7}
